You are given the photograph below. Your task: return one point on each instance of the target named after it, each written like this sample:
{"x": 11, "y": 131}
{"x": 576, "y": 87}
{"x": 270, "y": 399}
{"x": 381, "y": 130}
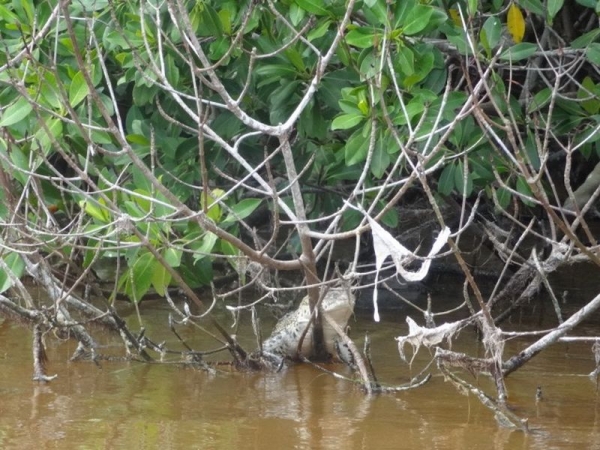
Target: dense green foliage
{"x": 101, "y": 100}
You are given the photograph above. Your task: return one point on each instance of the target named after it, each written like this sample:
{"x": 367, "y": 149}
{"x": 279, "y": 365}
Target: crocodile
{"x": 338, "y": 304}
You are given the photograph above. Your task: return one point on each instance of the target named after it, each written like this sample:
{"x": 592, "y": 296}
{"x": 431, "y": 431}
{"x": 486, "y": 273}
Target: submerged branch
{"x": 518, "y": 360}
{"x": 21, "y": 315}
{"x": 415, "y": 382}
{"x": 39, "y": 356}
{"x": 368, "y": 383}
{"x": 504, "y": 416}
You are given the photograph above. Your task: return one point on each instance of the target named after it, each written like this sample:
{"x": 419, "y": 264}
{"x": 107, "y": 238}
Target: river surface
{"x": 131, "y": 405}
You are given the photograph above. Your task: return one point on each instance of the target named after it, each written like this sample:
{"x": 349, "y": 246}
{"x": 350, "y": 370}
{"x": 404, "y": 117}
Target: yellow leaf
{"x": 455, "y": 16}
{"x": 515, "y": 22}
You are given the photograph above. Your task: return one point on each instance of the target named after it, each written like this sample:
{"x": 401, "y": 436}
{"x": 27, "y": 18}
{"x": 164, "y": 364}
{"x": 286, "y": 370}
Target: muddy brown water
{"x": 145, "y": 406}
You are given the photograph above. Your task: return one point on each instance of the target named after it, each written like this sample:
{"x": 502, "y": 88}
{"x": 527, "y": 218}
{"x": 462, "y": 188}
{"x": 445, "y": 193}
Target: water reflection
{"x": 323, "y": 411}
{"x": 133, "y": 405}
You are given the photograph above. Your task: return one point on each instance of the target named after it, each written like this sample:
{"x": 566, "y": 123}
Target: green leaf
{"x": 218, "y": 48}
{"x": 540, "y": 99}
{"x": 423, "y": 64}
{"x": 401, "y": 10}
{"x": 524, "y": 189}
{"x": 491, "y": 34}
{"x": 211, "y": 21}
{"x": 143, "y": 269}
{"x": 586, "y": 39}
{"x": 376, "y": 13}
{"x": 273, "y": 73}
{"x": 313, "y": 6}
{"x": 296, "y": 14}
{"x": 438, "y": 17}
{"x": 137, "y": 139}
{"x": 350, "y": 106}
{"x": 381, "y": 158}
{"x": 312, "y": 125}
{"x": 362, "y": 37}
{"x": 482, "y": 170}
{"x": 390, "y": 218}
{"x": 225, "y": 17}
{"x": 242, "y": 209}
{"x": 143, "y": 200}
{"x": 7, "y": 16}
{"x": 531, "y": 150}
{"x": 571, "y": 107}
{"x": 97, "y": 211}
{"x": 351, "y": 219}
{"x": 205, "y": 247}
{"x": 590, "y": 135}
{"x": 587, "y": 95}
{"x": 282, "y": 94}
{"x": 78, "y": 89}
{"x": 229, "y": 249}
{"x": 160, "y": 279}
{"x": 414, "y": 108}
{"x": 355, "y": 150}
{"x": 21, "y": 162}
{"x": 518, "y": 52}
{"x": 203, "y": 271}
{"x": 405, "y": 60}
{"x": 214, "y": 209}
{"x": 534, "y": 6}
{"x": 588, "y": 3}
{"x": 295, "y": 58}
{"x": 346, "y": 121}
{"x": 91, "y": 252}
{"x": 417, "y": 19}
{"x": 503, "y": 196}
{"x": 16, "y": 112}
{"x": 472, "y": 7}
{"x": 172, "y": 256}
{"x": 16, "y": 265}
{"x": 592, "y": 53}
{"x": 319, "y": 30}
{"x": 363, "y": 106}
{"x": 24, "y": 8}
{"x": 554, "y": 6}
{"x": 43, "y": 139}
{"x": 460, "y": 42}
{"x": 49, "y": 90}
{"x": 369, "y": 66}
{"x": 446, "y": 182}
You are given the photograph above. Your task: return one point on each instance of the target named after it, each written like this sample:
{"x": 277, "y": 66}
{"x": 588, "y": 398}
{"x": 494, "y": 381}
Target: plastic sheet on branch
{"x": 428, "y": 337}
{"x": 386, "y": 245}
